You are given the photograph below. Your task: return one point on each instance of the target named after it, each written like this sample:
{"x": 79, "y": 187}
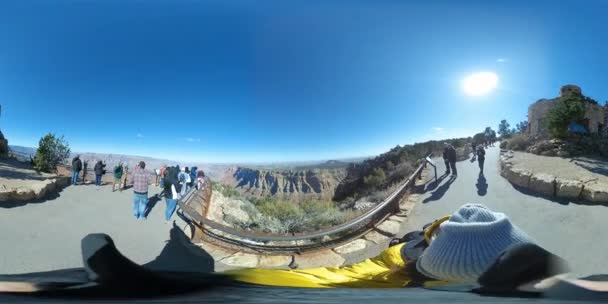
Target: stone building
{"x": 596, "y": 116}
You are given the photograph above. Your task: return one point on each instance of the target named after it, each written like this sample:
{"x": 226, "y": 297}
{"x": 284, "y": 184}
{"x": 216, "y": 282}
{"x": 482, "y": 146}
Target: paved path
{"x": 46, "y": 236}
{"x": 575, "y": 232}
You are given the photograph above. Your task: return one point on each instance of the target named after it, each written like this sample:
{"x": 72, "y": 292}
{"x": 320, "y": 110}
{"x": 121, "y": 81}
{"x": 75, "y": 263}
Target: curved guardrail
{"x": 296, "y": 242}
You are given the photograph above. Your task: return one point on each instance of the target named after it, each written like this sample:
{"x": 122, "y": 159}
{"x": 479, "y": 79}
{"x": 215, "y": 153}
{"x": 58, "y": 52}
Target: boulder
{"x": 389, "y": 227}
{"x": 595, "y": 192}
{"x": 568, "y": 188}
{"x": 241, "y": 259}
{"x": 543, "y": 183}
{"x": 325, "y": 258}
{"x": 562, "y": 153}
{"x": 518, "y": 177}
{"x": 274, "y": 261}
{"x": 356, "y": 245}
{"x": 376, "y": 237}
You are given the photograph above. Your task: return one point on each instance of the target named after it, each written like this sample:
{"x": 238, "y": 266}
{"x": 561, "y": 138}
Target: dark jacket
{"x": 76, "y": 164}
{"x": 481, "y": 153}
{"x": 99, "y": 168}
{"x": 449, "y": 154}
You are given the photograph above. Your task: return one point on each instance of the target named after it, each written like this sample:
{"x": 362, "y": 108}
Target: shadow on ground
{"x": 441, "y": 190}
{"x": 559, "y": 200}
{"x": 592, "y": 165}
{"x": 181, "y": 255}
{"x": 482, "y": 185}
{"x": 151, "y": 204}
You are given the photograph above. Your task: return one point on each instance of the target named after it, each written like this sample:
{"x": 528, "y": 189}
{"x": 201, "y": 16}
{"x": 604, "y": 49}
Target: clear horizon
{"x": 278, "y": 82}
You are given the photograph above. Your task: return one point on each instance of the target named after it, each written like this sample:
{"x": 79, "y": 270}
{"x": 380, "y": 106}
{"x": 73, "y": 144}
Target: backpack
{"x": 170, "y": 177}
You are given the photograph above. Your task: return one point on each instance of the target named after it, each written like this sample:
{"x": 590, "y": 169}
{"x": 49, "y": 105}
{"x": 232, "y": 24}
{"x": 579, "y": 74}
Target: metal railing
{"x": 297, "y": 242}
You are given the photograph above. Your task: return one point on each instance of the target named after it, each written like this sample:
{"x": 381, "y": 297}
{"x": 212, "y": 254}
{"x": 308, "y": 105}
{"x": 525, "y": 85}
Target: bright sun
{"x": 481, "y": 83}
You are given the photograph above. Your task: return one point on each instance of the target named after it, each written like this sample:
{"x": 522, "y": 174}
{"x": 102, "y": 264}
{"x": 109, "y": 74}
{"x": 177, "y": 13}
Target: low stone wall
{"x": 34, "y": 190}
{"x": 549, "y": 185}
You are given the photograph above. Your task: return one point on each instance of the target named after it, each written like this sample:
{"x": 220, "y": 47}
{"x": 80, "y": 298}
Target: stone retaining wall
{"x": 35, "y": 190}
{"x": 549, "y": 185}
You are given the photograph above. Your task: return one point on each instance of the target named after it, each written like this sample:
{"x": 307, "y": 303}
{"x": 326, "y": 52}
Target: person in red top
{"x": 141, "y": 179}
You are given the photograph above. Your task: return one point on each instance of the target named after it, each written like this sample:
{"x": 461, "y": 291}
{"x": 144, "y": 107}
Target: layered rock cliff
{"x": 286, "y": 184}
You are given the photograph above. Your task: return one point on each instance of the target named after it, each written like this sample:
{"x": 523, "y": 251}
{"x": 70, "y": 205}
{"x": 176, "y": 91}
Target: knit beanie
{"x": 468, "y": 243}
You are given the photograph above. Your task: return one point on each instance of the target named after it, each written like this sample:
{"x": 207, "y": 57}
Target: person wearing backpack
{"x": 183, "y": 178}
{"x": 481, "y": 157}
{"x": 99, "y": 171}
{"x": 76, "y": 168}
{"x": 171, "y": 189}
{"x": 118, "y": 170}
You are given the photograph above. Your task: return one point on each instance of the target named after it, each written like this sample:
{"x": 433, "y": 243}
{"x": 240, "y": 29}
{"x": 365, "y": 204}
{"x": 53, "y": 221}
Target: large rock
{"x": 241, "y": 259}
{"x": 595, "y": 192}
{"x": 389, "y": 227}
{"x": 519, "y": 177}
{"x": 376, "y": 237}
{"x": 356, "y": 245}
{"x": 543, "y": 183}
{"x": 568, "y": 188}
{"x": 274, "y": 261}
{"x": 326, "y": 258}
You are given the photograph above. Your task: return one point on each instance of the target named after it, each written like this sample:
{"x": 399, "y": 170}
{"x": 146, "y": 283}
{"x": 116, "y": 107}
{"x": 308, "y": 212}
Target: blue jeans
{"x": 98, "y": 180}
{"x": 74, "y": 177}
{"x": 140, "y": 202}
{"x": 171, "y": 205}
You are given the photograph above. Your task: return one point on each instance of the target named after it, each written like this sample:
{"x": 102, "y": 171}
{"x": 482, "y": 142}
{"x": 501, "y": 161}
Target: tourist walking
{"x": 118, "y": 171}
{"x": 141, "y": 178}
{"x": 76, "y": 168}
{"x": 452, "y": 159}
{"x": 125, "y": 174}
{"x": 481, "y": 157}
{"x": 98, "y": 172}
{"x": 192, "y": 176}
{"x": 446, "y": 161}
{"x": 200, "y": 179}
{"x": 157, "y": 176}
{"x": 171, "y": 188}
{"x": 183, "y": 177}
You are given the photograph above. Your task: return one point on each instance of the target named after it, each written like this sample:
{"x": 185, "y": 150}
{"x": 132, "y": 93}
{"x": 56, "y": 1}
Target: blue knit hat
{"x": 468, "y": 243}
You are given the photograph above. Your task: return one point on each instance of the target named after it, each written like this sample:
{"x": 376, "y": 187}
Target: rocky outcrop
{"x": 587, "y": 188}
{"x": 229, "y": 211}
{"x": 32, "y": 190}
{"x": 595, "y": 192}
{"x": 543, "y": 183}
{"x": 568, "y": 188}
{"x": 287, "y": 184}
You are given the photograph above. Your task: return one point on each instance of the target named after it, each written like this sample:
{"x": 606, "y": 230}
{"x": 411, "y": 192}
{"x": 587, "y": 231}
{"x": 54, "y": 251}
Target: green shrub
{"x": 504, "y": 144}
{"x": 52, "y": 151}
{"x": 375, "y": 179}
{"x": 518, "y": 142}
{"x": 568, "y": 109}
{"x": 225, "y": 190}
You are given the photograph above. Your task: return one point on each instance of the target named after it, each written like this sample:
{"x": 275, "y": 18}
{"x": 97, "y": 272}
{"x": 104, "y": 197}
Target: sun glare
{"x": 479, "y": 84}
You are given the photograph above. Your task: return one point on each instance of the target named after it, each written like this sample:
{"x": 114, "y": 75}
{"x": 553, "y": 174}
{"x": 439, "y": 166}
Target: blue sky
{"x": 225, "y": 81}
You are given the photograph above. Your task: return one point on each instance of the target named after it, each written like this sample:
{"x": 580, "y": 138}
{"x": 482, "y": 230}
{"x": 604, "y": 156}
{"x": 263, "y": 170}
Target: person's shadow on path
{"x": 431, "y": 185}
{"x": 151, "y": 204}
{"x": 482, "y": 185}
{"x": 440, "y": 191}
{"x": 179, "y": 254}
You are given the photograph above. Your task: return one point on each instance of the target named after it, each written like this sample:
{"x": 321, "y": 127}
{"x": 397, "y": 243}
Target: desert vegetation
{"x": 52, "y": 151}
